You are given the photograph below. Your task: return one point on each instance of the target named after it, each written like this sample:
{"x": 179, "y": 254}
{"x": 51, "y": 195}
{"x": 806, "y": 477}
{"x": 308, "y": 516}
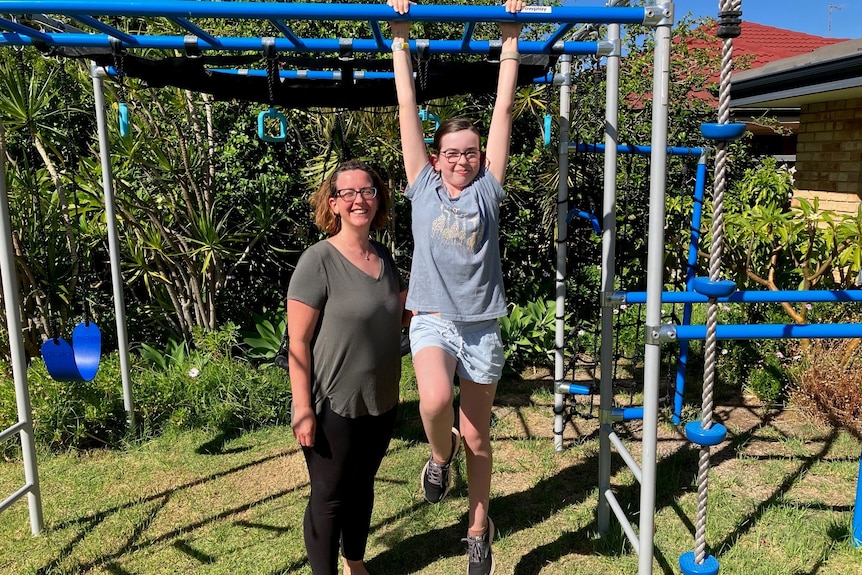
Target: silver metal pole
{"x": 562, "y": 237}
{"x": 16, "y": 351}
{"x": 609, "y": 235}
{"x": 655, "y": 283}
{"x": 113, "y": 246}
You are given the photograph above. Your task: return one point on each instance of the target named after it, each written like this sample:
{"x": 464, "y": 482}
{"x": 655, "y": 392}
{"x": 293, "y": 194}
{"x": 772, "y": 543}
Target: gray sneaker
{"x": 436, "y": 479}
{"x": 480, "y": 560}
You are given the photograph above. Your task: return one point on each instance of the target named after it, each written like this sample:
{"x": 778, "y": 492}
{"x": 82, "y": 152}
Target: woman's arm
{"x": 412, "y": 137}
{"x": 301, "y": 320}
{"x": 500, "y": 132}
{"x": 406, "y": 314}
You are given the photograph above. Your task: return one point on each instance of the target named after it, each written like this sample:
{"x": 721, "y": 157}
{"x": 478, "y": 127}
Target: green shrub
{"x": 212, "y": 388}
{"x": 204, "y": 387}
{"x": 528, "y": 334}
{"x": 767, "y": 383}
{"x": 175, "y": 352}
{"x": 265, "y": 343}
{"x": 77, "y": 414}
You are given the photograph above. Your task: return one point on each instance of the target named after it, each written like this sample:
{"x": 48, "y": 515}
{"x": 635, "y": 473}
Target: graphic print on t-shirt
{"x": 455, "y": 228}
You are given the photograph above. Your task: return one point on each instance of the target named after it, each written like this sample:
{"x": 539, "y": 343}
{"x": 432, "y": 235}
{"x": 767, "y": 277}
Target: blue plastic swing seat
{"x": 78, "y": 361}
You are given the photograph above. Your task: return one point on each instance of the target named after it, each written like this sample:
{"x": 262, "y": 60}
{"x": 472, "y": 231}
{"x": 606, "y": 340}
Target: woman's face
{"x": 352, "y": 202}
{"x": 459, "y": 159}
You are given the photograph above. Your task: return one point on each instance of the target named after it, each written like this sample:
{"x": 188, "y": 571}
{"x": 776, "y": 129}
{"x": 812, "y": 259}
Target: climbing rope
{"x": 729, "y": 13}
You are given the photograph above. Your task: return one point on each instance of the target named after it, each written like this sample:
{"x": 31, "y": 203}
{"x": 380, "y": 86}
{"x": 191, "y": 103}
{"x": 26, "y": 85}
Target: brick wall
{"x": 829, "y": 154}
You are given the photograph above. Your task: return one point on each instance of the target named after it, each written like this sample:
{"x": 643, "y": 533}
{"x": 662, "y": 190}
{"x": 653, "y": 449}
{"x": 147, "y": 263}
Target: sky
{"x": 809, "y": 16}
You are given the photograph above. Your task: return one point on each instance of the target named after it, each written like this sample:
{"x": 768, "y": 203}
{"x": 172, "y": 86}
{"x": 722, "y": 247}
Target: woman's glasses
{"x": 349, "y": 194}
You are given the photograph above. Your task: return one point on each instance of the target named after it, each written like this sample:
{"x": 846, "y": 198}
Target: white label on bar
{"x": 537, "y": 9}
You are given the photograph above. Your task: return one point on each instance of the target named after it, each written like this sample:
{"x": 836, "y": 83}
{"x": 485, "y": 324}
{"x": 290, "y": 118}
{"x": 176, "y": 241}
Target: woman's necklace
{"x": 347, "y": 247}
{"x": 366, "y": 255}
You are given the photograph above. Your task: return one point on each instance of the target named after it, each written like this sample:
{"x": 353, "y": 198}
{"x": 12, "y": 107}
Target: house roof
{"x": 759, "y": 45}
{"x": 767, "y": 43}
{"x": 830, "y": 73}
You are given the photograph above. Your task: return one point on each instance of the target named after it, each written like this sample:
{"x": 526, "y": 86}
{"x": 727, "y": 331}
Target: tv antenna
{"x": 829, "y": 25}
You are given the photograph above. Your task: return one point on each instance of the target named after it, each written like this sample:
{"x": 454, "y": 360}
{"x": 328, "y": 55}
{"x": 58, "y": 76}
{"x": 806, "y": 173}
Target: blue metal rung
{"x": 709, "y": 288}
{"x": 627, "y": 413}
{"x": 635, "y": 150}
{"x": 722, "y": 132}
{"x": 857, "y": 510}
{"x": 752, "y": 296}
{"x": 695, "y": 433}
{"x": 689, "y": 566}
{"x": 749, "y": 331}
{"x": 576, "y": 389}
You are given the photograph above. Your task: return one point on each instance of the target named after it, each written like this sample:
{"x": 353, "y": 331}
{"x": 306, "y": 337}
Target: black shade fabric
{"x": 440, "y": 78}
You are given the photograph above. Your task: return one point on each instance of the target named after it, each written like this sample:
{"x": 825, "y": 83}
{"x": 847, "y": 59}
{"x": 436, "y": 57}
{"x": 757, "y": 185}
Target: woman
{"x": 456, "y": 282}
{"x": 345, "y": 305}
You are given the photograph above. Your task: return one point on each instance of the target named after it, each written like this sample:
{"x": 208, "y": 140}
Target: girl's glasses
{"x": 452, "y": 156}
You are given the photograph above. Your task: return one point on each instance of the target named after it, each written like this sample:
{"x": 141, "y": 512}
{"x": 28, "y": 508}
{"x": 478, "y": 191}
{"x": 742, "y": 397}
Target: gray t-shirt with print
{"x": 356, "y": 346}
{"x": 456, "y": 255}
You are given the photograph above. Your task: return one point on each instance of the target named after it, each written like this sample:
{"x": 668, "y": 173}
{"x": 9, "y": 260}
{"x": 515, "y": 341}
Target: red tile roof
{"x": 758, "y": 44}
{"x": 768, "y": 43}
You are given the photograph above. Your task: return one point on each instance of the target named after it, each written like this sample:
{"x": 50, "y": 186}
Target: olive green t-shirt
{"x": 356, "y": 346}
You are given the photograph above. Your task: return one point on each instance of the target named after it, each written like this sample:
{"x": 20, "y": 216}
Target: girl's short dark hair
{"x": 452, "y": 125}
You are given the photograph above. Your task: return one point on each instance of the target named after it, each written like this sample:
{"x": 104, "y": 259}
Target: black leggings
{"x": 342, "y": 465}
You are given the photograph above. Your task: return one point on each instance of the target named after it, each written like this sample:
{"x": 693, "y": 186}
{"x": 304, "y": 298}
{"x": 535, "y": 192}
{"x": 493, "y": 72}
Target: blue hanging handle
{"x": 594, "y": 221}
{"x": 425, "y": 115}
{"x": 546, "y": 131}
{"x": 123, "y": 117}
{"x": 262, "y": 121}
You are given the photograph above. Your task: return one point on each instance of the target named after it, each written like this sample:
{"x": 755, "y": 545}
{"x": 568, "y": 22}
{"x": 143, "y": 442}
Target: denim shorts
{"x": 476, "y": 345}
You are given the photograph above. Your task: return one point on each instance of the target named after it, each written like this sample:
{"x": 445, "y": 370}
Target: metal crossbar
{"x": 182, "y": 13}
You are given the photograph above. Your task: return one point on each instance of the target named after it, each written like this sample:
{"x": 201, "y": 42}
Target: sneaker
{"x": 436, "y": 480}
{"x": 480, "y": 561}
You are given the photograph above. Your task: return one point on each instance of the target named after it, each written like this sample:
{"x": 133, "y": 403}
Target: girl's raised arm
{"x": 500, "y": 132}
{"x": 412, "y": 136}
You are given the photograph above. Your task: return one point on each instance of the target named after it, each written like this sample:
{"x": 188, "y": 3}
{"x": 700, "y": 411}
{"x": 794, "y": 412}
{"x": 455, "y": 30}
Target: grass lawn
{"x": 781, "y": 497}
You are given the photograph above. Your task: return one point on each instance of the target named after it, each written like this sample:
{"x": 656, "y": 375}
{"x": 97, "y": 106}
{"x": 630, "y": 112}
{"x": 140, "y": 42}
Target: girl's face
{"x": 459, "y": 159}
{"x": 356, "y": 200}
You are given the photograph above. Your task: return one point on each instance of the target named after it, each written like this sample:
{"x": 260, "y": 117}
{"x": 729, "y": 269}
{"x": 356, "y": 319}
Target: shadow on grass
{"x": 215, "y": 446}
{"x": 523, "y": 510}
{"x": 513, "y": 513}
{"x": 675, "y": 474}
{"x": 136, "y": 541}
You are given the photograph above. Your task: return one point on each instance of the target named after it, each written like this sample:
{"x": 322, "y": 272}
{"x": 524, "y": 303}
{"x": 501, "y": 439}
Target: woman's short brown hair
{"x": 323, "y": 216}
